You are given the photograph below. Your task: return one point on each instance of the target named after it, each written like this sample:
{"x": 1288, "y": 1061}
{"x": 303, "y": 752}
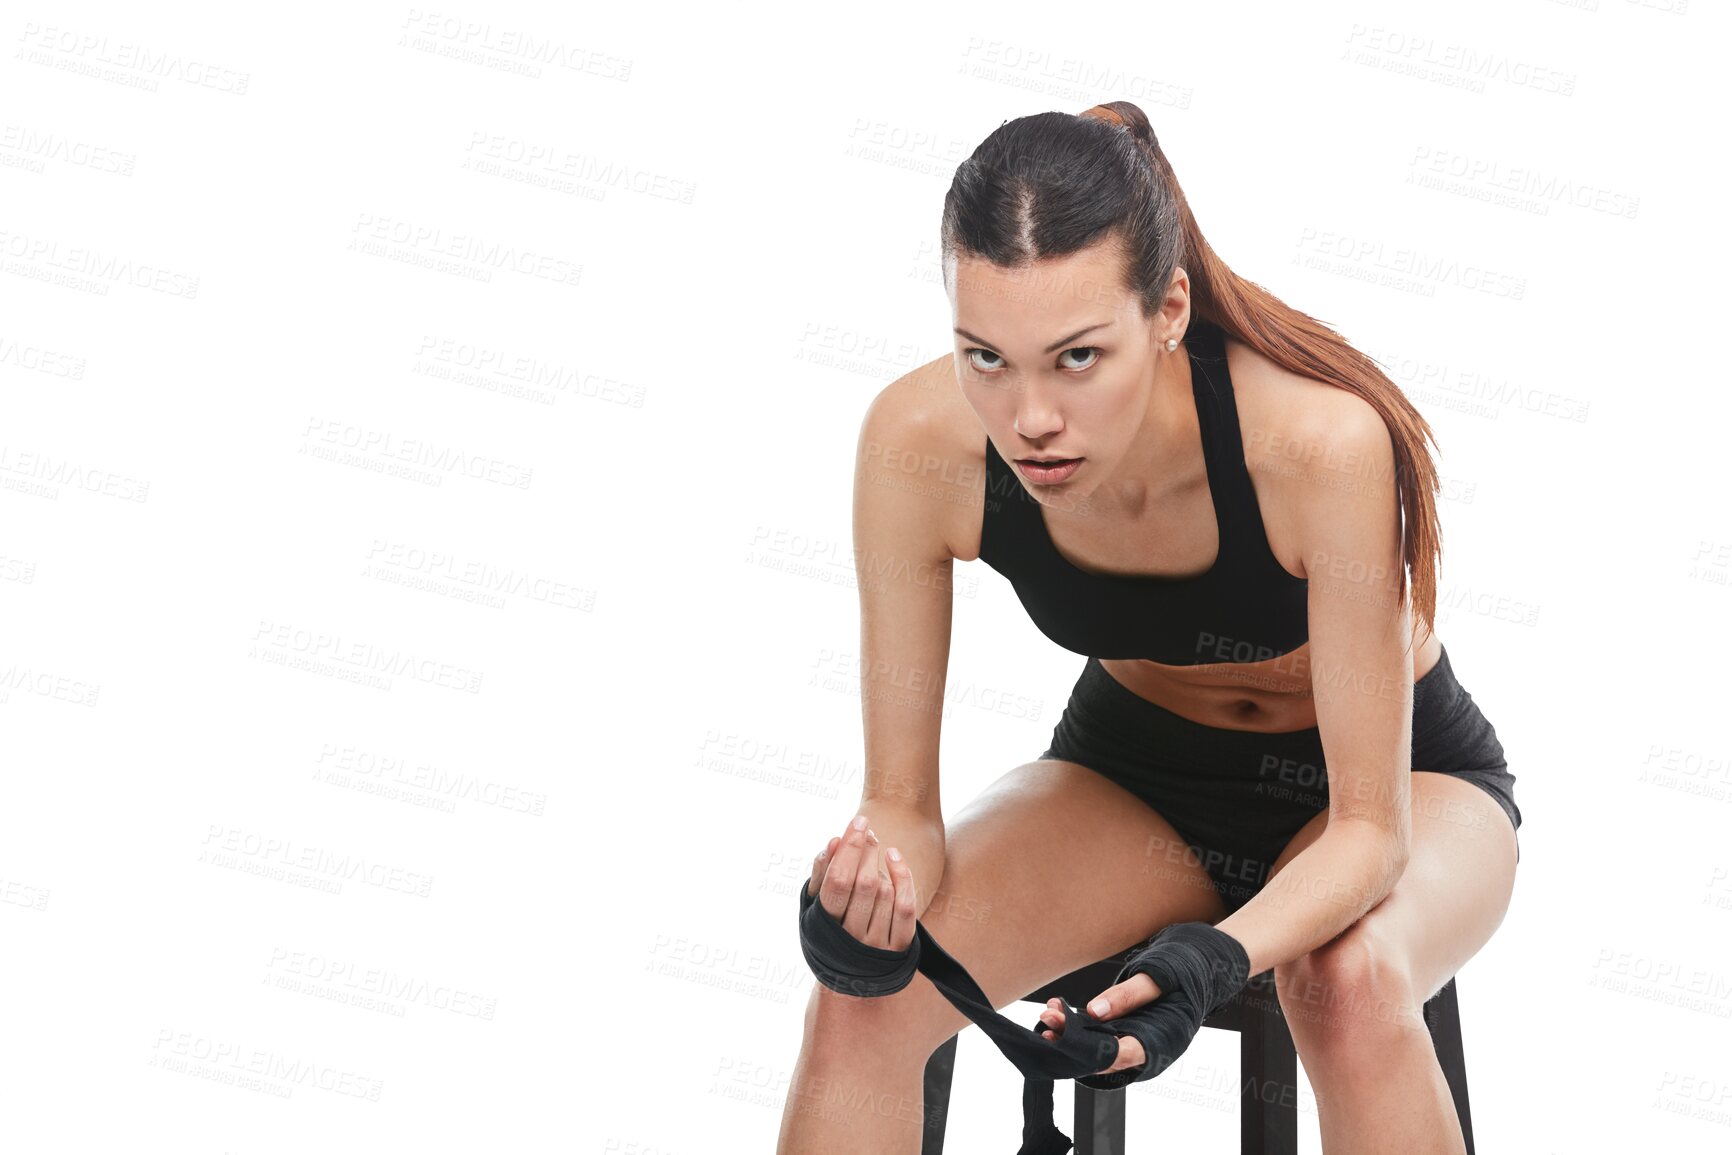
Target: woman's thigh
{"x": 1051, "y": 868}
{"x": 1448, "y": 902}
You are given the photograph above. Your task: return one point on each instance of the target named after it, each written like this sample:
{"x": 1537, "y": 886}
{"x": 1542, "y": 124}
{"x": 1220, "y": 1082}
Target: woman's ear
{"x": 1173, "y": 318}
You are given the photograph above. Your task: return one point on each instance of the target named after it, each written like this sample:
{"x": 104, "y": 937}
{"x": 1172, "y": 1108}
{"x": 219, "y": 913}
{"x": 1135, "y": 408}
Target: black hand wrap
{"x": 1197, "y": 967}
{"x": 844, "y": 963}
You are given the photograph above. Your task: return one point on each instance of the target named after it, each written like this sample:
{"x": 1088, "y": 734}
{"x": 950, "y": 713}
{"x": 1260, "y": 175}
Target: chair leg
{"x": 940, "y": 1069}
{"x": 1098, "y": 1121}
{"x": 1268, "y": 1079}
{"x": 1443, "y": 1017}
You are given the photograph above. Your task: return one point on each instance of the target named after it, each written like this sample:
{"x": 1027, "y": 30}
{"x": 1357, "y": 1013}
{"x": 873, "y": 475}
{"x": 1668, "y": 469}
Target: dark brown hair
{"x": 1052, "y": 183}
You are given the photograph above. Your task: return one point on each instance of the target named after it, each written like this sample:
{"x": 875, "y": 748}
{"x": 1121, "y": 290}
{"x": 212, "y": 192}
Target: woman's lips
{"x": 1049, "y": 473}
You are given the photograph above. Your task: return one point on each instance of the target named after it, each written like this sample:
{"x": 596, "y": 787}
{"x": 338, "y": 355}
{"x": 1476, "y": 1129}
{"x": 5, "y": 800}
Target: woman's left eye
{"x": 1083, "y": 349}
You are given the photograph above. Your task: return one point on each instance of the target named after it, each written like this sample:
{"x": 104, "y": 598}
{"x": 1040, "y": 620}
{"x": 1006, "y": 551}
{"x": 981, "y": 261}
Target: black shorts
{"x": 1238, "y": 797}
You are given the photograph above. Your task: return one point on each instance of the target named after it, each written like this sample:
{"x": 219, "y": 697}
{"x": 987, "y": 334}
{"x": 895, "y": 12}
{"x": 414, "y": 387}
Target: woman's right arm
{"x": 903, "y": 565}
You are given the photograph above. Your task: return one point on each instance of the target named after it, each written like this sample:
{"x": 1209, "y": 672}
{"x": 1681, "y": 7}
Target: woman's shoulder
{"x": 1305, "y": 444}
{"x": 921, "y": 439}
{"x": 1286, "y": 415}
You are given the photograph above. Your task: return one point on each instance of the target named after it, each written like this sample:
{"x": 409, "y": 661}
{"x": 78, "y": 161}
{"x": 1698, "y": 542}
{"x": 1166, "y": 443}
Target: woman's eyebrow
{"x": 1052, "y": 348}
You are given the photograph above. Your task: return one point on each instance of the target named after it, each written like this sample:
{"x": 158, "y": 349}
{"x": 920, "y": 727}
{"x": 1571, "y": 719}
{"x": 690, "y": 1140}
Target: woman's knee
{"x": 843, "y": 1030}
{"x": 1352, "y": 995}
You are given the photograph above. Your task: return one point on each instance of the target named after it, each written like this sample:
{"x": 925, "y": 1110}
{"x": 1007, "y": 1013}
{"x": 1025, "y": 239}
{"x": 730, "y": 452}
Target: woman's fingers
{"x": 1118, "y": 999}
{"x": 1053, "y": 1016}
{"x": 819, "y": 863}
{"x": 883, "y": 912}
{"x": 862, "y": 891}
{"x": 835, "y": 893}
{"x": 905, "y": 902}
{"x": 1131, "y": 1055}
{"x": 1136, "y": 991}
{"x": 857, "y": 919}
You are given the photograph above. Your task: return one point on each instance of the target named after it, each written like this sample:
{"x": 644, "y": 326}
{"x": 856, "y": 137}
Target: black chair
{"x": 1268, "y": 1068}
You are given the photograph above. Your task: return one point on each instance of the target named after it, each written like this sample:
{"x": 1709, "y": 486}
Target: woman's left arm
{"x": 1362, "y": 685}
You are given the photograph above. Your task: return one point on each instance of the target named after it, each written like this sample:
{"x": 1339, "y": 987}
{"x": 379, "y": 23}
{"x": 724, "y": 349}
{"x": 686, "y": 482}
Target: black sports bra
{"x": 1244, "y": 608}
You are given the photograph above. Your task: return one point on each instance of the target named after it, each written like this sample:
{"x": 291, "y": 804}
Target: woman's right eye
{"x": 970, "y": 353}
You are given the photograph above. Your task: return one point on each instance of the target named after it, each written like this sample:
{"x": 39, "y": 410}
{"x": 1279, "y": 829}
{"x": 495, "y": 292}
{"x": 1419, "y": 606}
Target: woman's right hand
{"x": 874, "y": 904}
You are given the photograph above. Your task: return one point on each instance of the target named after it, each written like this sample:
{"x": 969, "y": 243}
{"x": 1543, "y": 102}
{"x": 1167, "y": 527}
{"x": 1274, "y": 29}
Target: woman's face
{"x": 1057, "y": 361}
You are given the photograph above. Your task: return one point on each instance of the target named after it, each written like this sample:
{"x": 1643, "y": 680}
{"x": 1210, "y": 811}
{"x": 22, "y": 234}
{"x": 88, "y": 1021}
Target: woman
{"x": 1218, "y": 501}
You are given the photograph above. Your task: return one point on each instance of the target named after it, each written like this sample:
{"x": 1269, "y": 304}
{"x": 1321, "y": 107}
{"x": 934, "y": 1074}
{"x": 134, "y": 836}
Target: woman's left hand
{"x": 1137, "y": 991}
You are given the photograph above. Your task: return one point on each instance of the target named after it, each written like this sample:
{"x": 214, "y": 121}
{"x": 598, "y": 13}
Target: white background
{"x": 425, "y": 475}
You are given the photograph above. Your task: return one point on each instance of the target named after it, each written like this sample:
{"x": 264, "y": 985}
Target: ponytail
{"x": 1302, "y": 344}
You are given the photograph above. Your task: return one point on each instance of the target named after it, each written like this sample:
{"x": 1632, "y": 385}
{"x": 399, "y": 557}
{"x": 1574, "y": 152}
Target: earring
{"x": 1172, "y": 344}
